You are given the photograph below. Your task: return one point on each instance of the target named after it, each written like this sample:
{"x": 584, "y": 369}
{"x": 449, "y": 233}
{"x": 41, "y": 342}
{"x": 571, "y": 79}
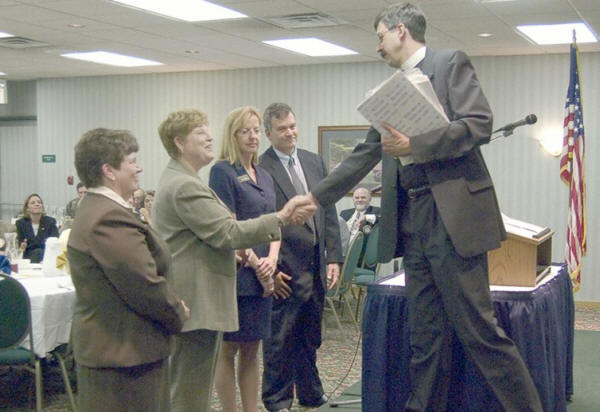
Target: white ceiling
{"x": 236, "y": 44}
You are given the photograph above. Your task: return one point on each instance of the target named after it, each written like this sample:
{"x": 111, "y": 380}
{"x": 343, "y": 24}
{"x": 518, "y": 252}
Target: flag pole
{"x": 572, "y": 172}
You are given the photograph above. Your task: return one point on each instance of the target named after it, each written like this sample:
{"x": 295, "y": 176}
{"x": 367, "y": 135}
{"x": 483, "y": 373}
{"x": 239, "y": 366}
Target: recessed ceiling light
{"x": 558, "y": 33}
{"x": 192, "y": 51}
{"x": 111, "y": 59}
{"x": 76, "y": 25}
{"x": 3, "y": 35}
{"x": 2, "y": 74}
{"x": 311, "y": 47}
{"x": 485, "y": 35}
{"x": 196, "y": 10}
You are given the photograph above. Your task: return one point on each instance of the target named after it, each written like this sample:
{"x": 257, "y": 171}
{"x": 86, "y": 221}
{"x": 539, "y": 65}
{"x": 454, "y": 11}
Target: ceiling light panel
{"x": 545, "y": 34}
{"x": 196, "y": 10}
{"x": 311, "y": 46}
{"x": 111, "y": 59}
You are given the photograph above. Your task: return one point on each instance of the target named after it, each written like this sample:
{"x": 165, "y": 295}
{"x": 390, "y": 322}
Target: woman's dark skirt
{"x": 254, "y": 313}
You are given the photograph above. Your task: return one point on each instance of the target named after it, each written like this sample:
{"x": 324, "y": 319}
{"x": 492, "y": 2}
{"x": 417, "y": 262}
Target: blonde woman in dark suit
{"x": 125, "y": 311}
{"x": 247, "y": 189}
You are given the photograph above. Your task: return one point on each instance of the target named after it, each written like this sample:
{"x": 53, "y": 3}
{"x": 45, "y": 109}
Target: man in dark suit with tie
{"x": 308, "y": 261}
{"x": 442, "y": 215}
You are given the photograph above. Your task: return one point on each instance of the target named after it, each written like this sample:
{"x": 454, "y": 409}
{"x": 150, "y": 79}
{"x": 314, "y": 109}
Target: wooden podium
{"x": 522, "y": 259}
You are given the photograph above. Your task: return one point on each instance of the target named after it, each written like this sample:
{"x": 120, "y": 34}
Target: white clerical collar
{"x": 112, "y": 195}
{"x": 413, "y": 60}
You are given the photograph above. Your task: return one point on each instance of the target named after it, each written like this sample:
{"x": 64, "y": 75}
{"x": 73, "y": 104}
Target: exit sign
{"x": 49, "y": 158}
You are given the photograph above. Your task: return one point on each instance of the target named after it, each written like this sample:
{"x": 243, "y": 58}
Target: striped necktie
{"x": 295, "y": 178}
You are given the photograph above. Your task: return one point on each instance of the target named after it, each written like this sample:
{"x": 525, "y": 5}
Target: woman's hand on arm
{"x": 268, "y": 265}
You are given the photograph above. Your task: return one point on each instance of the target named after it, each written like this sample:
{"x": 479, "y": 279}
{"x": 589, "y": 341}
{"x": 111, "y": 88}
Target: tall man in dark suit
{"x": 308, "y": 261}
{"x": 442, "y": 215}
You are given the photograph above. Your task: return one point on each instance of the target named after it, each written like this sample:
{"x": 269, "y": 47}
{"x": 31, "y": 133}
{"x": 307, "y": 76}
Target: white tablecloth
{"x": 399, "y": 280}
{"x": 52, "y": 301}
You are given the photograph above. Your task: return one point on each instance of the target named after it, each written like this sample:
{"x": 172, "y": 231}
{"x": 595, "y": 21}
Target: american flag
{"x": 572, "y": 172}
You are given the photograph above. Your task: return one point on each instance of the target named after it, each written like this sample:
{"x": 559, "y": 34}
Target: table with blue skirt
{"x": 540, "y": 320}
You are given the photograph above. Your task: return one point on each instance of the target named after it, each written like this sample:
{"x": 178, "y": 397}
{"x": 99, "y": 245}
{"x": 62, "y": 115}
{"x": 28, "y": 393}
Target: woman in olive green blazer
{"x": 202, "y": 236}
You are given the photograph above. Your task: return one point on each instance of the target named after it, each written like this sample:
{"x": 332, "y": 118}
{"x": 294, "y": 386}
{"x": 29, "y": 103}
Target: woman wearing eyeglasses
{"x": 247, "y": 189}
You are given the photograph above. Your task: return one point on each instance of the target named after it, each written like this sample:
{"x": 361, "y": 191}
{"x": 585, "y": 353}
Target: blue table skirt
{"x": 540, "y": 322}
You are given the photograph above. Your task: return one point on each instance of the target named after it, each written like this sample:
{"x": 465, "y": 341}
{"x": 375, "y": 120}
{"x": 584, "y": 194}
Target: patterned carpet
{"x": 587, "y": 317}
{"x": 338, "y": 362}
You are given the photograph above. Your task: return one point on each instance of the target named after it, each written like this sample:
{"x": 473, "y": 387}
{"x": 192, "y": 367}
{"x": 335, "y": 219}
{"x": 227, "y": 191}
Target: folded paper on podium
{"x": 524, "y": 257}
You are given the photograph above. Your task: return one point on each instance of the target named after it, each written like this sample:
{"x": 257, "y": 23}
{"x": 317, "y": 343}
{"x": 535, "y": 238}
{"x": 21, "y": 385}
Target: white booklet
{"x": 408, "y": 102}
{"x": 525, "y": 229}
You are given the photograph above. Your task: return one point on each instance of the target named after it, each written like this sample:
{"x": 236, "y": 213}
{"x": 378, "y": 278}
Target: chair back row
{"x": 351, "y": 260}
{"x": 15, "y": 316}
{"x": 369, "y": 259}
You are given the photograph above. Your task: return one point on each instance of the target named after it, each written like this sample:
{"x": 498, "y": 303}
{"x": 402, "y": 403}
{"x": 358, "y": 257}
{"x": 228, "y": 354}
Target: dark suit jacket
{"x": 450, "y": 157}
{"x": 125, "y": 310}
{"x": 346, "y": 214}
{"x": 247, "y": 200}
{"x": 297, "y": 249}
{"x": 36, "y": 245}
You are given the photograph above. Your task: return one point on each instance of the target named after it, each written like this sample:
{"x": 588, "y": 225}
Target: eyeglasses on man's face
{"x": 381, "y": 36}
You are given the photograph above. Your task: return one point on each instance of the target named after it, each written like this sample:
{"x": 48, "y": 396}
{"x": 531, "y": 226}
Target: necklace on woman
{"x": 251, "y": 172}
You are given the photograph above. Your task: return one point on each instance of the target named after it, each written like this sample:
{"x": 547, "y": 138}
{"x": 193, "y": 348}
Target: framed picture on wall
{"x": 337, "y": 142}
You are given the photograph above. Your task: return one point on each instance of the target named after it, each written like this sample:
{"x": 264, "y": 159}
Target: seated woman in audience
{"x": 125, "y": 310}
{"x": 4, "y": 262}
{"x": 202, "y": 236}
{"x": 34, "y": 228}
{"x": 247, "y": 190}
{"x": 146, "y": 211}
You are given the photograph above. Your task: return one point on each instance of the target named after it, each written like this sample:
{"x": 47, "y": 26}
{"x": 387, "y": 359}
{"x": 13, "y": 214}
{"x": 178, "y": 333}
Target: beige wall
{"x": 526, "y": 179}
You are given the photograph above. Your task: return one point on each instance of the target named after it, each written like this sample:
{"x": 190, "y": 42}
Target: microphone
{"x": 529, "y": 119}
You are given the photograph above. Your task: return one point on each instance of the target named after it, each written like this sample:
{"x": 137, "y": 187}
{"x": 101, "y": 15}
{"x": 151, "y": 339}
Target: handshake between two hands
{"x": 298, "y": 209}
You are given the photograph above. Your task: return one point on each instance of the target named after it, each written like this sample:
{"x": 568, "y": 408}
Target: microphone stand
{"x": 501, "y": 133}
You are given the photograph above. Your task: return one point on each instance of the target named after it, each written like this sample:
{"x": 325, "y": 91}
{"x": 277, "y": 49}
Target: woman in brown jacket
{"x": 125, "y": 311}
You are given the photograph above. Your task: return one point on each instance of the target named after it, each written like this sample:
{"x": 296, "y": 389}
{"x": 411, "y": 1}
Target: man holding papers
{"x": 441, "y": 213}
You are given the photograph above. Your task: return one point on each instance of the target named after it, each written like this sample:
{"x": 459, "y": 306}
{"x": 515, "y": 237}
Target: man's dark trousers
{"x": 447, "y": 292}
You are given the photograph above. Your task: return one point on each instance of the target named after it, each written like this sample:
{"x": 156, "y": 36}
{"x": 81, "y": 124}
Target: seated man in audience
{"x": 72, "y": 205}
{"x": 362, "y": 213}
{"x": 138, "y": 199}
